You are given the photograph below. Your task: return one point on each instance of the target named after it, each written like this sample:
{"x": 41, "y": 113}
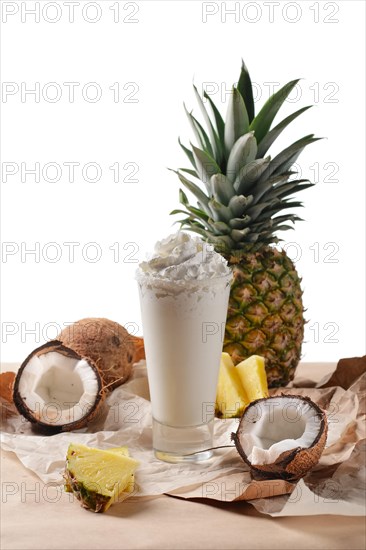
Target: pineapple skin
{"x": 265, "y": 314}
{"x": 90, "y": 500}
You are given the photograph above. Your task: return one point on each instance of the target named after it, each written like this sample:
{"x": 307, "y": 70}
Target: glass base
{"x": 174, "y": 458}
{"x": 184, "y": 444}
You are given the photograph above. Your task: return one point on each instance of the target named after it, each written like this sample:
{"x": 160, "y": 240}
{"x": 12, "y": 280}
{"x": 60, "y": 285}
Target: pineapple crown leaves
{"x": 247, "y": 195}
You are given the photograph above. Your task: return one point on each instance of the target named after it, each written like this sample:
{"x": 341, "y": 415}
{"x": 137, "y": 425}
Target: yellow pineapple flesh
{"x": 231, "y": 399}
{"x": 252, "y": 374}
{"x": 99, "y": 478}
{"x": 238, "y": 386}
{"x": 123, "y": 451}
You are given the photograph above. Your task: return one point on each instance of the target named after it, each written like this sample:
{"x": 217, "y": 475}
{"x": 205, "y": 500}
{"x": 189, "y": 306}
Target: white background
{"x": 154, "y": 50}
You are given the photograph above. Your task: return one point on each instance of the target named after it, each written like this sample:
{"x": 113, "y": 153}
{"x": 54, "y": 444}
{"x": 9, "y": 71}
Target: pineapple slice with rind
{"x": 231, "y": 399}
{"x": 123, "y": 451}
{"x": 99, "y": 478}
{"x": 252, "y": 374}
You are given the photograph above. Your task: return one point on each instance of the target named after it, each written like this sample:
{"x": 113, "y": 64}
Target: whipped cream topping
{"x": 181, "y": 257}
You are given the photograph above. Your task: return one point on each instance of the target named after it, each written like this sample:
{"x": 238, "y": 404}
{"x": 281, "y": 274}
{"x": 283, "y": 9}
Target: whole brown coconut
{"x": 110, "y": 347}
{"x": 281, "y": 437}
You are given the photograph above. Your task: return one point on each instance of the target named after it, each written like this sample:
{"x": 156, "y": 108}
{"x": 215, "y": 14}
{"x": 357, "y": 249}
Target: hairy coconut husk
{"x": 138, "y": 342}
{"x": 110, "y": 347}
{"x": 6, "y": 385}
{"x": 34, "y": 416}
{"x": 291, "y": 465}
{"x": 6, "y": 394}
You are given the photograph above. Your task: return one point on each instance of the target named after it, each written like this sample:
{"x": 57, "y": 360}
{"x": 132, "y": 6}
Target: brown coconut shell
{"x": 106, "y": 343}
{"x": 6, "y": 394}
{"x": 293, "y": 464}
{"x": 34, "y": 417}
{"x": 138, "y": 342}
{"x": 6, "y": 386}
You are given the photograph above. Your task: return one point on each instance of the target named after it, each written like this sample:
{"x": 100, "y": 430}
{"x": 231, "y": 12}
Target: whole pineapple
{"x": 245, "y": 199}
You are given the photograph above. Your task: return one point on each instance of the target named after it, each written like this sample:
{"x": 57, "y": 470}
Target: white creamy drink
{"x": 184, "y": 292}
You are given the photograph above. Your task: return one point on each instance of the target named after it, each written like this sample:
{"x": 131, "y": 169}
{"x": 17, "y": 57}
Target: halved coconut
{"x": 281, "y": 437}
{"x": 61, "y": 385}
{"x": 58, "y": 389}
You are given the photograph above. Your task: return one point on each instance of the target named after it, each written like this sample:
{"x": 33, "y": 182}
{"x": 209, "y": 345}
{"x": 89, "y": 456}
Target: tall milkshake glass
{"x": 184, "y": 293}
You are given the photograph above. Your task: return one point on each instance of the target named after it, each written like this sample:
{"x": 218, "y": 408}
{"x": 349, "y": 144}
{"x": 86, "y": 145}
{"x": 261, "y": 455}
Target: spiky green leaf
{"x": 188, "y": 171}
{"x": 239, "y": 234}
{"x": 214, "y": 138}
{"x": 244, "y": 151}
{"x": 221, "y": 228}
{"x": 188, "y": 152}
{"x": 290, "y": 161}
{"x": 262, "y": 122}
{"x": 195, "y": 213}
{"x": 239, "y": 223}
{"x": 285, "y": 218}
{"x": 284, "y": 160}
{"x": 206, "y": 167}
{"x": 256, "y": 210}
{"x": 287, "y": 189}
{"x": 198, "y": 213}
{"x": 262, "y": 187}
{"x": 246, "y": 90}
{"x": 273, "y": 134}
{"x": 183, "y": 198}
{"x": 195, "y": 228}
{"x": 193, "y": 188}
{"x": 222, "y": 188}
{"x": 251, "y": 238}
{"x": 250, "y": 174}
{"x": 220, "y": 124}
{"x": 280, "y": 206}
{"x": 199, "y": 132}
{"x": 284, "y": 227}
{"x": 237, "y": 122}
{"x": 239, "y": 203}
{"x": 220, "y": 212}
{"x": 178, "y": 211}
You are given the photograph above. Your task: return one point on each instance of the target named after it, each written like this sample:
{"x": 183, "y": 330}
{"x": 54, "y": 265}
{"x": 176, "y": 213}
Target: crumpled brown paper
{"x": 335, "y": 486}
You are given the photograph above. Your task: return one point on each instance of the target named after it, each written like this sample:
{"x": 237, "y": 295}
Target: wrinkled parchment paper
{"x": 335, "y": 486}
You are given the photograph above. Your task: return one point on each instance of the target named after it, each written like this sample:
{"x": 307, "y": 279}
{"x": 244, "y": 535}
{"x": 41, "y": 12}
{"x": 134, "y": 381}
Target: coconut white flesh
{"x": 273, "y": 426}
{"x": 58, "y": 389}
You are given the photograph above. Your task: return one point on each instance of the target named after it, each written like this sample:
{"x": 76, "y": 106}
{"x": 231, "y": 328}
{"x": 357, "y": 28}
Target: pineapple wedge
{"x": 123, "y": 451}
{"x": 252, "y": 374}
{"x": 231, "y": 399}
{"x": 99, "y": 478}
